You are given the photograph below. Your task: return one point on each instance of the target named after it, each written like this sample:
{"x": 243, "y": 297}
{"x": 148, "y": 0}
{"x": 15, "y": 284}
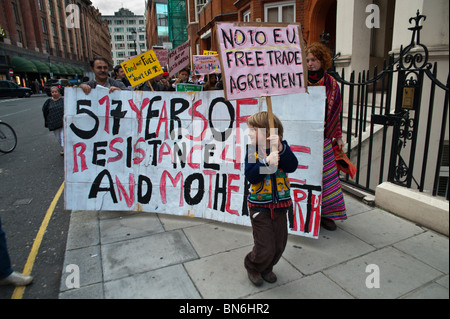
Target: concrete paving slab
{"x": 399, "y": 274}
{"x": 432, "y": 291}
{"x": 129, "y": 227}
{"x": 428, "y": 247}
{"x": 83, "y": 230}
{"x": 316, "y": 286}
{"x": 331, "y": 248}
{"x": 143, "y": 254}
{"x": 354, "y": 206}
{"x": 379, "y": 228}
{"x": 212, "y": 238}
{"x": 172, "y": 222}
{"x": 443, "y": 281}
{"x": 164, "y": 283}
{"x": 89, "y": 264}
{"x": 89, "y": 292}
{"x": 224, "y": 275}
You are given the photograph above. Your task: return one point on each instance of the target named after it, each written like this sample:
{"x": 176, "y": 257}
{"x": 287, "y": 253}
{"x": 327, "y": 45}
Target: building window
{"x": 44, "y": 25}
{"x": 53, "y": 29}
{"x": 50, "y": 7}
{"x": 199, "y": 4}
{"x": 246, "y": 16}
{"x": 118, "y": 22}
{"x": 16, "y": 13}
{"x": 118, "y": 29}
{"x": 131, "y": 22}
{"x": 279, "y": 12}
{"x": 118, "y": 38}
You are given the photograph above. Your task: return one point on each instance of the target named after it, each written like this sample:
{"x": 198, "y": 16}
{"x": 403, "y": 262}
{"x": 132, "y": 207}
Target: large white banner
{"x": 183, "y": 153}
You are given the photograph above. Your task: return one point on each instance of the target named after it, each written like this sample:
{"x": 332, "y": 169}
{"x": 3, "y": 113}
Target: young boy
{"x": 269, "y": 197}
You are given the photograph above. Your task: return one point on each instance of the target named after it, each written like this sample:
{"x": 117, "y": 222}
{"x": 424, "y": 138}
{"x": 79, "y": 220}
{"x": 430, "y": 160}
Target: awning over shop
{"x": 21, "y": 65}
{"x": 70, "y": 69}
{"x": 54, "y": 68}
{"x": 62, "y": 69}
{"x": 80, "y": 71}
{"x": 41, "y": 66}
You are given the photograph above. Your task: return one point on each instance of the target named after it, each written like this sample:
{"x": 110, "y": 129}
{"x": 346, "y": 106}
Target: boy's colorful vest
{"x": 265, "y": 193}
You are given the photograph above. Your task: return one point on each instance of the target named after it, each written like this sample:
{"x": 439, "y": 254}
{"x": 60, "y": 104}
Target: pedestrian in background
{"x": 7, "y": 275}
{"x": 53, "y": 111}
{"x": 211, "y": 82}
{"x": 120, "y": 75}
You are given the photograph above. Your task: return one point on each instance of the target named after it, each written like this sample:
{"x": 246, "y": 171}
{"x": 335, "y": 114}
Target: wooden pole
{"x": 271, "y": 121}
{"x": 273, "y": 147}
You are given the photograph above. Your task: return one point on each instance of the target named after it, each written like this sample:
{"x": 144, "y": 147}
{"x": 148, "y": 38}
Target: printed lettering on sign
{"x": 183, "y": 153}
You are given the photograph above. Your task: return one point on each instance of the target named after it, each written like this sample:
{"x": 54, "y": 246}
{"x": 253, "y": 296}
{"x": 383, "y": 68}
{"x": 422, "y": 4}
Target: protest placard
{"x": 187, "y": 87}
{"x": 206, "y": 64}
{"x": 163, "y": 56}
{"x": 259, "y": 59}
{"x": 179, "y": 58}
{"x": 183, "y": 153}
{"x": 142, "y": 68}
{"x": 207, "y": 52}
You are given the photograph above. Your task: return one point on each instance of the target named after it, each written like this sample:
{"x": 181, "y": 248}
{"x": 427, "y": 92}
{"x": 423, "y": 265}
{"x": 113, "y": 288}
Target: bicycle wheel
{"x": 8, "y": 138}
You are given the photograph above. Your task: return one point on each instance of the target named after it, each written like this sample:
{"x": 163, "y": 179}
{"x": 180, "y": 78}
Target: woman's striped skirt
{"x": 333, "y": 205}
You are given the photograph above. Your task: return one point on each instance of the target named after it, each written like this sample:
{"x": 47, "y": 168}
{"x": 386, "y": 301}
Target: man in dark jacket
{"x": 100, "y": 68}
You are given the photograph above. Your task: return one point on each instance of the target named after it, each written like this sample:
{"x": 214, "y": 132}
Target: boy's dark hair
{"x": 261, "y": 120}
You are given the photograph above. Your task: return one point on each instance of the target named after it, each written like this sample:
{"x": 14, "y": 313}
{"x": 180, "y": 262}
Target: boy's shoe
{"x": 16, "y": 279}
{"x": 270, "y": 277}
{"x": 255, "y": 278}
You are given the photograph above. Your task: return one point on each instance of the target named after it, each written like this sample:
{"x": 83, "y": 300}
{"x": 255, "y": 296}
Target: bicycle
{"x": 8, "y": 138}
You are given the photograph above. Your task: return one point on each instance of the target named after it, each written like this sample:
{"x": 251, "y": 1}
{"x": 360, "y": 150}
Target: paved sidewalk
{"x": 143, "y": 255}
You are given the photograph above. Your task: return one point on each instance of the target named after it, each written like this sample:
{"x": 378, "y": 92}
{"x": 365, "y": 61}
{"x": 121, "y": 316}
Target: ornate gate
{"x": 386, "y": 108}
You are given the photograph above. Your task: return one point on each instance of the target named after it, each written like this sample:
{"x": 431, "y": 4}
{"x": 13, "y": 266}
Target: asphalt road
{"x": 30, "y": 177}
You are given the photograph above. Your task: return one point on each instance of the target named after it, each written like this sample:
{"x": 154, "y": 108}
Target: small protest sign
{"x": 142, "y": 68}
{"x": 179, "y": 58}
{"x": 163, "y": 56}
{"x": 206, "y": 64}
{"x": 184, "y": 87}
{"x": 260, "y": 59}
{"x": 206, "y": 52}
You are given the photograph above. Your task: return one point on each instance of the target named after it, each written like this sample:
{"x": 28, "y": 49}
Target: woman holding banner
{"x": 318, "y": 60}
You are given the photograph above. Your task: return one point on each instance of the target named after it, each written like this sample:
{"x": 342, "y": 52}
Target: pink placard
{"x": 179, "y": 58}
{"x": 261, "y": 59}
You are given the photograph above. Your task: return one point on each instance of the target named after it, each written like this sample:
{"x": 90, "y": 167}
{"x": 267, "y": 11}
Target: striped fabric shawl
{"x": 334, "y": 108}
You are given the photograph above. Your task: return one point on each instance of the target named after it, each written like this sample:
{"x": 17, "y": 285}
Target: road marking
{"x": 10, "y": 100}
{"x": 19, "y": 291}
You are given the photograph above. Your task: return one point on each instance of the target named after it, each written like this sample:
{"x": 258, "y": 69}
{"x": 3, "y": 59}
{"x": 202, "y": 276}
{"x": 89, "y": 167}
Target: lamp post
{"x": 133, "y": 36}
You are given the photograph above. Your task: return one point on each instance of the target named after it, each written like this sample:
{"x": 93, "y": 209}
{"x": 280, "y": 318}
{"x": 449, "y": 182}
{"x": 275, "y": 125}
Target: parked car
{"x": 11, "y": 89}
{"x": 61, "y": 83}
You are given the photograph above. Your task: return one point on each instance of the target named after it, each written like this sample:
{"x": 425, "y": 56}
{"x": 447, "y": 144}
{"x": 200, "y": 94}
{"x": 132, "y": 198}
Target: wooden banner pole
{"x": 273, "y": 147}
